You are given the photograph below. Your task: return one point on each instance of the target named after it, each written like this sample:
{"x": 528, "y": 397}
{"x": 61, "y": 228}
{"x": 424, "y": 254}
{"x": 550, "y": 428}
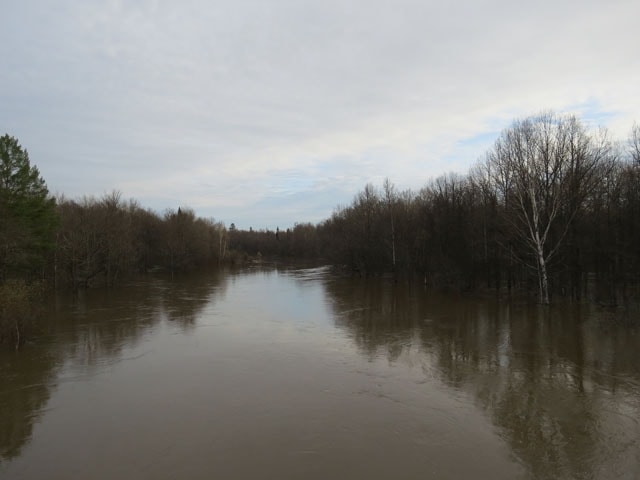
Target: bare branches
{"x": 543, "y": 168}
{"x": 634, "y": 145}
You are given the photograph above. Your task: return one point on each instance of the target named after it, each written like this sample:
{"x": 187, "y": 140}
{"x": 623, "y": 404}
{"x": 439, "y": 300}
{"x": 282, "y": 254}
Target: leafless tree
{"x": 634, "y": 144}
{"x": 390, "y": 199}
{"x": 543, "y": 168}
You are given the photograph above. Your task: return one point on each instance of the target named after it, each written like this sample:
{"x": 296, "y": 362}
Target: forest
{"x": 552, "y": 209}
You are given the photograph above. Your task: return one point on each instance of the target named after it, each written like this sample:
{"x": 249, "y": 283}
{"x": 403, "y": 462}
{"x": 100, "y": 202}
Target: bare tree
{"x": 634, "y": 144}
{"x": 390, "y": 199}
{"x": 543, "y": 168}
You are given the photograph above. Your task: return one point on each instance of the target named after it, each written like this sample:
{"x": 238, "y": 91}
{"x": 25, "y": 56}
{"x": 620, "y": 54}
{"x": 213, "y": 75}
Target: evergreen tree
{"x": 27, "y": 213}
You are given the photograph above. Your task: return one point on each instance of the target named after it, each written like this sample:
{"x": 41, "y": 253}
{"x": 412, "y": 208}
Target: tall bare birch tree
{"x": 390, "y": 199}
{"x": 634, "y": 145}
{"x": 543, "y": 168}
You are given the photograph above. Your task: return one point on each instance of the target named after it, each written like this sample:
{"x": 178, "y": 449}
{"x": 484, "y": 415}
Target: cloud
{"x": 230, "y": 106}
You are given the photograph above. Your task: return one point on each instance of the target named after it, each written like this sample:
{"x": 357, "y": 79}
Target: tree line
{"x": 552, "y": 208}
{"x": 100, "y": 240}
{"x": 76, "y": 243}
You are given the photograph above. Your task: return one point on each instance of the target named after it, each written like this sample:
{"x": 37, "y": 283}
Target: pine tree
{"x": 28, "y": 216}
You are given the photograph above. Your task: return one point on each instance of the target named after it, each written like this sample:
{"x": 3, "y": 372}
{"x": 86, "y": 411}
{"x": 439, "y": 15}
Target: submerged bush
{"x": 18, "y": 311}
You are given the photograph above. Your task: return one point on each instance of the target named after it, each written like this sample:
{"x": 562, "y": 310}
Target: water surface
{"x": 299, "y": 373}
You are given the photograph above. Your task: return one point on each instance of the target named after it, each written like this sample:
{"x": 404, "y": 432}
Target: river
{"x": 294, "y": 373}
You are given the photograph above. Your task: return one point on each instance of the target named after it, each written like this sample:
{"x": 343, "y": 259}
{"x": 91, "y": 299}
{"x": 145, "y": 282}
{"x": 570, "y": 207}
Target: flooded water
{"x": 298, "y": 373}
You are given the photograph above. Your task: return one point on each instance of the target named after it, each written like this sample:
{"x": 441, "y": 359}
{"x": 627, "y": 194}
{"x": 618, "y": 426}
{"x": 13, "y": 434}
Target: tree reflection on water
{"x": 86, "y": 333}
{"x": 561, "y": 383}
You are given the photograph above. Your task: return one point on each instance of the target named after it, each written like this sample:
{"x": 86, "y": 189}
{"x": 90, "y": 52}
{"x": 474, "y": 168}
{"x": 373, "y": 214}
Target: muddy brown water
{"x": 291, "y": 373}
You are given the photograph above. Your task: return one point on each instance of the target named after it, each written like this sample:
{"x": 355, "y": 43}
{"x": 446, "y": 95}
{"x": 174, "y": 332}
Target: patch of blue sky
{"x": 480, "y": 140}
{"x": 465, "y": 152}
{"x": 593, "y": 114}
{"x": 284, "y": 211}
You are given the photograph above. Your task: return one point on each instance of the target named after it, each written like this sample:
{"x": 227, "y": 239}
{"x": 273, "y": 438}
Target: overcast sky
{"x": 266, "y": 113}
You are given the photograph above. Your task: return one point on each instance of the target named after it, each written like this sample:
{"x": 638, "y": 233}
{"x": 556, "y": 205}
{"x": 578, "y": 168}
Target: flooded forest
{"x": 289, "y": 372}
{"x": 492, "y": 316}
{"x": 551, "y": 210}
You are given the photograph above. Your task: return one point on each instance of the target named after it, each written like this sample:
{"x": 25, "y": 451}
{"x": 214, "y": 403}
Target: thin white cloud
{"x": 226, "y": 106}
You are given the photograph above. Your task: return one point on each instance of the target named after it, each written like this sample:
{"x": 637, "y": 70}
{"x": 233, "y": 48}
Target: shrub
{"x": 18, "y": 310}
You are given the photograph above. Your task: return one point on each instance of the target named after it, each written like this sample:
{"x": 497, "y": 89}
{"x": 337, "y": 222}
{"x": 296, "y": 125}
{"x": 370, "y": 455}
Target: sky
{"x": 268, "y": 113}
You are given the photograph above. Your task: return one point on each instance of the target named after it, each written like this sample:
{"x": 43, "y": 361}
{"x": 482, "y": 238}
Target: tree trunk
{"x": 542, "y": 277}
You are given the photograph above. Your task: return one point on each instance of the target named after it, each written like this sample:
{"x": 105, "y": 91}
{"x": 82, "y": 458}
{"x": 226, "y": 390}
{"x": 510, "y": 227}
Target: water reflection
{"x": 24, "y": 392}
{"x": 378, "y": 315}
{"x": 86, "y": 334}
{"x": 184, "y": 298}
{"x": 313, "y": 375}
{"x": 561, "y": 384}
